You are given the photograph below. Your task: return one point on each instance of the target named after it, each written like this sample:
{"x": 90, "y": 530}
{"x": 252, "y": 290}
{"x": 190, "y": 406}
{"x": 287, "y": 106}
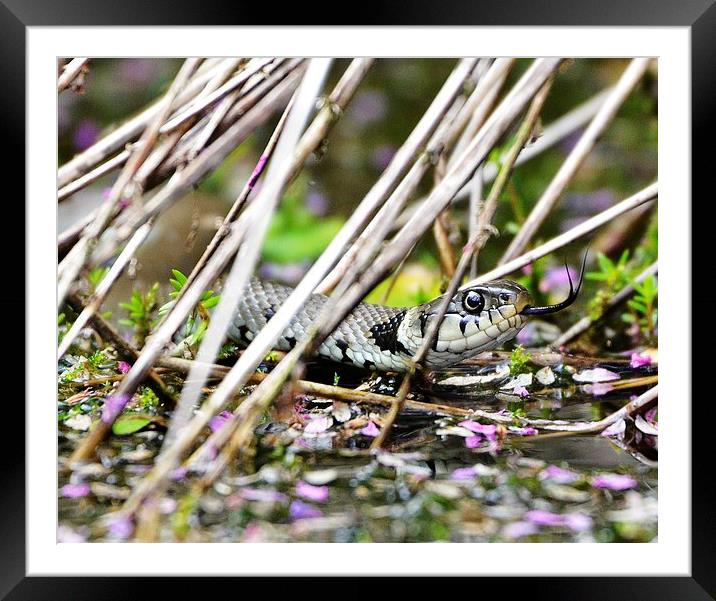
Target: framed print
{"x": 375, "y": 283}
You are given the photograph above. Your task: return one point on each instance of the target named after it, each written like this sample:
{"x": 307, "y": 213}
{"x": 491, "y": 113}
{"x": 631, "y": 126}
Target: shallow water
{"x": 428, "y": 485}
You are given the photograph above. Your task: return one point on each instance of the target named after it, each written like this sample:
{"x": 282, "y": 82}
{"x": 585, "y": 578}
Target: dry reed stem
{"x": 645, "y": 195}
{"x": 87, "y": 160}
{"x": 569, "y": 167}
{"x": 70, "y": 267}
{"x": 587, "y": 322}
{"x": 71, "y": 71}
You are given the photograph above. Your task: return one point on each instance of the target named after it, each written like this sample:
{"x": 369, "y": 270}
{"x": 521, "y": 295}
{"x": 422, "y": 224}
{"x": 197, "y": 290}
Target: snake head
{"x": 478, "y": 318}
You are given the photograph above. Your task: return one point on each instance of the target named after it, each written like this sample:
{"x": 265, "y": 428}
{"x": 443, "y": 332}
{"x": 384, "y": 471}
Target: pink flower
{"x": 529, "y": 431}
{"x": 65, "y": 534}
{"x": 518, "y": 530}
{"x": 370, "y": 430}
{"x": 598, "y": 389}
{"x": 472, "y": 442}
{"x": 123, "y": 367}
{"x": 75, "y": 490}
{"x": 577, "y": 522}
{"x": 219, "y": 421}
{"x": 120, "y": 526}
{"x": 489, "y": 431}
{"x": 613, "y": 482}
{"x": 598, "y": 374}
{"x": 463, "y": 473}
{"x": 638, "y": 360}
{"x": 298, "y": 510}
{"x": 318, "y": 425}
{"x": 558, "y": 475}
{"x": 521, "y": 391}
{"x": 113, "y": 406}
{"x": 311, "y": 492}
{"x": 265, "y": 495}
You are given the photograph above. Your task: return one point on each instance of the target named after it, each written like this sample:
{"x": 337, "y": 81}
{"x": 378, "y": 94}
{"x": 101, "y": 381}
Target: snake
{"x": 382, "y": 338}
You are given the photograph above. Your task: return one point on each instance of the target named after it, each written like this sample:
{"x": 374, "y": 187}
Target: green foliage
{"x": 129, "y": 425}
{"x": 141, "y": 310}
{"x": 295, "y": 234}
{"x": 643, "y": 307}
{"x": 95, "y": 276}
{"x": 519, "y": 360}
{"x": 613, "y": 276}
{"x": 198, "y": 320}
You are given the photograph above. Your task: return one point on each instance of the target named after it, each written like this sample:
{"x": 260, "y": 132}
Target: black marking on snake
{"x": 243, "y": 332}
{"x": 385, "y": 333}
{"x": 291, "y": 341}
{"x": 343, "y": 346}
{"x": 423, "y": 323}
{"x": 463, "y": 323}
{"x": 369, "y": 364}
{"x": 269, "y": 313}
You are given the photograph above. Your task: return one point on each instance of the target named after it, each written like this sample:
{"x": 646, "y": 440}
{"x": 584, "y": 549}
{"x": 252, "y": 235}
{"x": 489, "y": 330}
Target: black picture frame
{"x": 698, "y": 15}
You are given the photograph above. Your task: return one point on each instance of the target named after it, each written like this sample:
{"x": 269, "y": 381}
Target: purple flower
{"x": 472, "y": 442}
{"x": 463, "y": 473}
{"x": 613, "y": 482}
{"x": 316, "y": 203}
{"x": 598, "y": 374}
{"x": 86, "y": 134}
{"x": 120, "y": 526}
{"x": 318, "y": 425}
{"x": 556, "y": 278}
{"x": 558, "y": 475}
{"x": 489, "y": 430}
{"x": 540, "y": 517}
{"x": 577, "y": 522}
{"x": 65, "y": 534}
{"x": 598, "y": 389}
{"x": 123, "y": 367}
{"x": 137, "y": 71}
{"x": 638, "y": 360}
{"x": 75, "y": 490}
{"x": 298, "y": 510}
{"x": 368, "y": 106}
{"x": 178, "y": 474}
{"x": 521, "y": 391}
{"x": 219, "y": 421}
{"x": 370, "y": 430}
{"x": 311, "y": 492}
{"x": 383, "y": 155}
{"x": 113, "y": 406}
{"x": 616, "y": 429}
{"x": 265, "y": 495}
{"x": 528, "y": 431}
{"x": 518, "y": 530}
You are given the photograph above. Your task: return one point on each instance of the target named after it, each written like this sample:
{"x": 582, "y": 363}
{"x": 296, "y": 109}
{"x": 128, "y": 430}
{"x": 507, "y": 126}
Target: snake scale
{"x": 384, "y": 338}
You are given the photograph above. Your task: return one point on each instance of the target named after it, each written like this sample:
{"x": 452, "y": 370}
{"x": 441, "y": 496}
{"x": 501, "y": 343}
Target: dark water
{"x": 428, "y": 485}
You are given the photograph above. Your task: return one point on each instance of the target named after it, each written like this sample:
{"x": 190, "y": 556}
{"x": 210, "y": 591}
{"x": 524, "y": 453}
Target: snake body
{"x": 386, "y": 338}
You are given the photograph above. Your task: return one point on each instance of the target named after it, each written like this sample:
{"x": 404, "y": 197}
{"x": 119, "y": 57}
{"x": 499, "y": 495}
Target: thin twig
{"x": 645, "y": 195}
{"x": 118, "y": 138}
{"x": 587, "y": 322}
{"x": 569, "y": 167}
{"x": 75, "y": 261}
{"x": 71, "y": 71}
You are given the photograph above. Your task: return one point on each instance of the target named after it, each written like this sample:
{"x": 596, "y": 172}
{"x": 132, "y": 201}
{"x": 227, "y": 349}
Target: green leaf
{"x": 180, "y": 277}
{"x": 129, "y": 425}
{"x": 211, "y": 302}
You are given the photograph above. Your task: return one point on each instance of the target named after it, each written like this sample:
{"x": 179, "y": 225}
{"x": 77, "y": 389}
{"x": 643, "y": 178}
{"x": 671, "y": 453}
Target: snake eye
{"x": 473, "y": 302}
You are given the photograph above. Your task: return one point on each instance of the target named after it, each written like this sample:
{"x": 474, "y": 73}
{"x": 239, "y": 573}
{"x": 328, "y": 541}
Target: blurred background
{"x": 387, "y": 106}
